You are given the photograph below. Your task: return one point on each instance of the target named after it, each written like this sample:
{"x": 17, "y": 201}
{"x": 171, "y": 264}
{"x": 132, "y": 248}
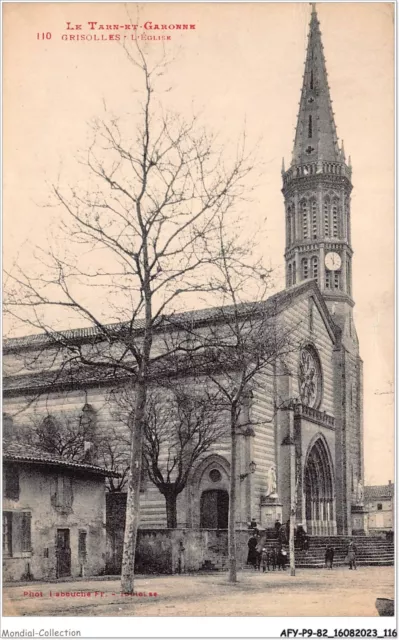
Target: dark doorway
{"x": 319, "y": 491}
{"x": 214, "y": 509}
{"x": 63, "y": 553}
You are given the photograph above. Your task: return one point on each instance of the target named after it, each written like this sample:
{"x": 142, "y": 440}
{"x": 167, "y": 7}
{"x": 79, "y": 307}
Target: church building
{"x": 310, "y": 450}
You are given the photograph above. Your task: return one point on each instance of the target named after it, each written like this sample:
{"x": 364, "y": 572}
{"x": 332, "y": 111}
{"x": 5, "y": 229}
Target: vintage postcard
{"x": 198, "y": 319}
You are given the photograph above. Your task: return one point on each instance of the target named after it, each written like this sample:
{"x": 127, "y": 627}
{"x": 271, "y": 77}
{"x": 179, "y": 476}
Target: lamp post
{"x": 252, "y": 469}
{"x": 293, "y": 406}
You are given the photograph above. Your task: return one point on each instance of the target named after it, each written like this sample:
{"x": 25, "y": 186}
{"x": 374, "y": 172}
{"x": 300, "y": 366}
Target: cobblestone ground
{"x": 312, "y": 592}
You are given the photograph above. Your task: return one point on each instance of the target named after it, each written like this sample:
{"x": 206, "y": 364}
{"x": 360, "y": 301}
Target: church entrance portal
{"x": 214, "y": 512}
{"x": 319, "y": 491}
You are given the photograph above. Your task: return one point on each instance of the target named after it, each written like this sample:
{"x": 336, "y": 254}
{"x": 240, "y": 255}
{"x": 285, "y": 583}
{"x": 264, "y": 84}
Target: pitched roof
{"x": 14, "y": 451}
{"x": 274, "y": 303}
{"x": 374, "y": 492}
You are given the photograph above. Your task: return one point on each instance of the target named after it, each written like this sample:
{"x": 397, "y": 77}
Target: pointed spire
{"x": 343, "y": 152}
{"x": 316, "y": 133}
{"x": 283, "y": 167}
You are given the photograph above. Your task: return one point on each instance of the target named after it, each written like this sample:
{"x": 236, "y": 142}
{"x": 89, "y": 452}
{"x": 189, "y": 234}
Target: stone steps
{"x": 370, "y": 551}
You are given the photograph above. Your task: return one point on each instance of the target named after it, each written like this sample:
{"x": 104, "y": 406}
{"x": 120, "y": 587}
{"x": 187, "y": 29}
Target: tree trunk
{"x": 292, "y": 541}
{"x": 294, "y": 489}
{"x": 171, "y": 509}
{"x": 232, "y": 503}
{"x": 133, "y": 491}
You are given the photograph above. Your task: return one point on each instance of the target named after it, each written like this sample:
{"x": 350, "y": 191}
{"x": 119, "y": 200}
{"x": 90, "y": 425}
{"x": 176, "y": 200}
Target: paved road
{"x": 312, "y": 592}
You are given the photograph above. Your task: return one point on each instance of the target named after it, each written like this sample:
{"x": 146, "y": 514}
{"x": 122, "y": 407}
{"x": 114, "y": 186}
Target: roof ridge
{"x": 204, "y": 314}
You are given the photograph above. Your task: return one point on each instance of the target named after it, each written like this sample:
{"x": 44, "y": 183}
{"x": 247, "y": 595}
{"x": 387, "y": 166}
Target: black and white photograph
{"x": 198, "y": 319}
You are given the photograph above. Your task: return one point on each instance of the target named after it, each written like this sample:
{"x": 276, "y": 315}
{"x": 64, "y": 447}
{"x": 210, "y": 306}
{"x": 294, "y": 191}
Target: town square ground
{"x": 312, "y": 592}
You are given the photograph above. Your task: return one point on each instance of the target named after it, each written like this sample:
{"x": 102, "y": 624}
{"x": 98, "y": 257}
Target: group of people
{"x": 350, "y": 556}
{"x": 260, "y": 556}
{"x": 276, "y": 557}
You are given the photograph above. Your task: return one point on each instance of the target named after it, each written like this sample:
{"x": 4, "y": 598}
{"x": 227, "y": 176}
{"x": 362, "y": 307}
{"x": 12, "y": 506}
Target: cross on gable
{"x": 309, "y": 149}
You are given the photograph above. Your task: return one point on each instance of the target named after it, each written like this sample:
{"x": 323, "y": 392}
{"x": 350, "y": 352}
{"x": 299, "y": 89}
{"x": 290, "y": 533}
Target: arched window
{"x": 294, "y": 272}
{"x": 310, "y": 127}
{"x": 315, "y": 267}
{"x": 326, "y": 215}
{"x": 289, "y": 238}
{"x": 50, "y": 435}
{"x": 305, "y": 220}
{"x": 314, "y": 219}
{"x": 334, "y": 210}
{"x": 305, "y": 268}
{"x": 293, "y": 234}
{"x": 88, "y": 421}
{"x": 348, "y": 277}
{"x": 348, "y": 219}
{"x": 289, "y": 275}
{"x": 328, "y": 279}
{"x": 311, "y": 318}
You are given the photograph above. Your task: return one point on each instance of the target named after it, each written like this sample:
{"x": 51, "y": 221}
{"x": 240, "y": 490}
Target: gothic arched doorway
{"x": 319, "y": 491}
{"x": 214, "y": 510}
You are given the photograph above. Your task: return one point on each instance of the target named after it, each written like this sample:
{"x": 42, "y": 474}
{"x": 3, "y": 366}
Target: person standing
{"x": 351, "y": 557}
{"x": 252, "y": 553}
{"x": 329, "y": 557}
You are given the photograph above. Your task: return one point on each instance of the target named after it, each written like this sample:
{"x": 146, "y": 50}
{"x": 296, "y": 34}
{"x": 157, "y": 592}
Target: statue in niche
{"x": 271, "y": 491}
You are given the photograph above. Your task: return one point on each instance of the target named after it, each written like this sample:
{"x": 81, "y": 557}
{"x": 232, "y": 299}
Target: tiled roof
{"x": 374, "y": 492}
{"x": 190, "y": 317}
{"x": 14, "y": 451}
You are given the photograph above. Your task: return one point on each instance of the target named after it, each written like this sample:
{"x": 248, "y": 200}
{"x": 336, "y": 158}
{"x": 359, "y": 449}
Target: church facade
{"x": 306, "y": 445}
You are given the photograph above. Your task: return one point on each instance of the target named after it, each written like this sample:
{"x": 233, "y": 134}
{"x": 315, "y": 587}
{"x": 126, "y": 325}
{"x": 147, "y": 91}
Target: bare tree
{"x": 61, "y": 436}
{"x": 135, "y": 240}
{"x": 183, "y": 420}
{"x": 69, "y": 437}
{"x": 242, "y": 342}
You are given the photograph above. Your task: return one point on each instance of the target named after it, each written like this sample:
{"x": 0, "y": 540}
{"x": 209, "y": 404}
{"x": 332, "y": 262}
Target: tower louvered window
{"x": 289, "y": 240}
{"x": 315, "y": 267}
{"x": 348, "y": 277}
{"x": 311, "y": 80}
{"x": 328, "y": 279}
{"x": 326, "y": 214}
{"x": 294, "y": 272}
{"x": 348, "y": 219}
{"x": 335, "y": 219}
{"x": 293, "y": 234}
{"x": 310, "y": 127}
{"x": 305, "y": 268}
{"x": 337, "y": 280}
{"x": 314, "y": 219}
{"x": 305, "y": 220}
{"x": 289, "y": 275}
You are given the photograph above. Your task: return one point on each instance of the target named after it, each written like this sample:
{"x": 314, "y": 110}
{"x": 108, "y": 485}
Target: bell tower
{"x": 316, "y": 188}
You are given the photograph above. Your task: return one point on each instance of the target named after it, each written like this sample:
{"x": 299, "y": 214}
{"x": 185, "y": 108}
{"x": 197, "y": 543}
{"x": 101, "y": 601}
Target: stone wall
{"x": 86, "y": 513}
{"x": 168, "y": 551}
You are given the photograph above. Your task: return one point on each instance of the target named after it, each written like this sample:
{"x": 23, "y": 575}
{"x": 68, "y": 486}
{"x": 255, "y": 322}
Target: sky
{"x": 240, "y": 67}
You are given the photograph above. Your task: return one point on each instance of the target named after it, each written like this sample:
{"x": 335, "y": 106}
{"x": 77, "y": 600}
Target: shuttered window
{"x": 62, "y": 497}
{"x": 82, "y": 546}
{"x": 7, "y": 534}
{"x": 16, "y": 532}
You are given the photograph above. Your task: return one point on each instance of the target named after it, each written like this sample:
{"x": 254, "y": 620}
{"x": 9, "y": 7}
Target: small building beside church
{"x": 379, "y": 501}
{"x": 306, "y": 442}
{"x": 53, "y": 515}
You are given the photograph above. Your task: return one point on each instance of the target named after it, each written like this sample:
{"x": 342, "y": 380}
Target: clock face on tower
{"x": 332, "y": 261}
